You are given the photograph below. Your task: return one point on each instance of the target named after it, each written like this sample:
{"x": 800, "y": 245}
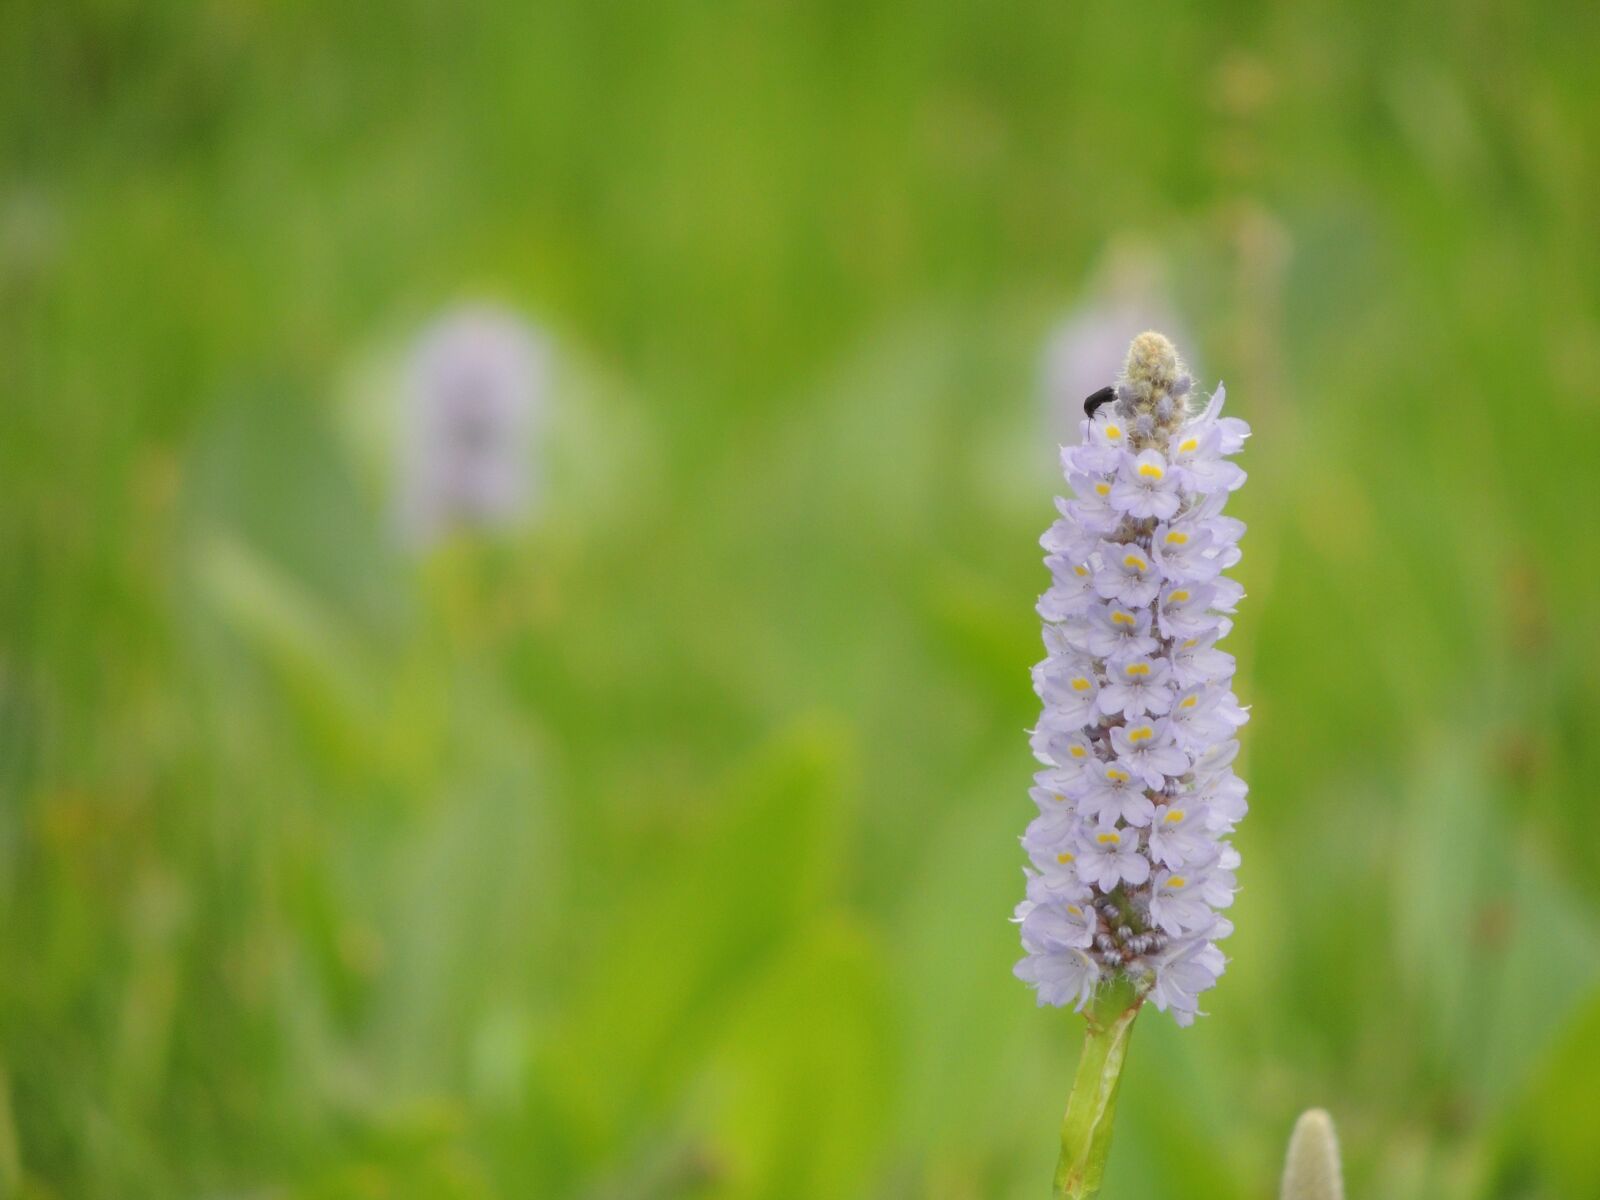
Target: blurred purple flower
{"x": 474, "y": 397}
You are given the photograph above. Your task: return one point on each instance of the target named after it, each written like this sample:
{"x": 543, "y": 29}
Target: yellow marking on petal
{"x": 1150, "y": 471}
{"x": 1109, "y": 838}
{"x": 1189, "y": 701}
{"x": 1113, "y": 432}
{"x": 1177, "y": 881}
{"x": 1177, "y": 537}
{"x": 1181, "y": 596}
{"x": 1075, "y": 910}
{"x": 1135, "y": 669}
{"x": 1058, "y": 797}
{"x": 1102, "y": 489}
{"x": 1117, "y": 775}
{"x": 1134, "y": 563}
{"x": 1081, "y": 571}
{"x": 1080, "y": 684}
{"x": 1141, "y": 733}
{"x": 1188, "y": 445}
{"x": 1190, "y": 644}
{"x": 1065, "y": 857}
{"x": 1077, "y": 752}
{"x": 1118, "y": 617}
{"x": 1174, "y": 815}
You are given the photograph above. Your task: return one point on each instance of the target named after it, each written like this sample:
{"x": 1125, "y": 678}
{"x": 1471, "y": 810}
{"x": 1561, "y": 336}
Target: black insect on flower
{"x": 1104, "y": 396}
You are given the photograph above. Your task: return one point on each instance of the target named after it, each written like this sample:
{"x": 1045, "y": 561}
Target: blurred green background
{"x": 664, "y": 844}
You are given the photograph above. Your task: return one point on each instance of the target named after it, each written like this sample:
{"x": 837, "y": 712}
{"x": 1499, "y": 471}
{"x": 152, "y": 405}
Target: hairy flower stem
{"x": 1086, "y": 1129}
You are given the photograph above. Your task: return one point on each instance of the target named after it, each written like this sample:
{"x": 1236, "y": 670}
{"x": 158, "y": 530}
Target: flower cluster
{"x": 1137, "y": 797}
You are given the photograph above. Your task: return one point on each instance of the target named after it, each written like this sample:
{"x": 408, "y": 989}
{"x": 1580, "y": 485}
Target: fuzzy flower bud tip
{"x": 1153, "y": 393}
{"x": 1312, "y": 1171}
{"x": 1132, "y": 866}
{"x": 1153, "y": 362}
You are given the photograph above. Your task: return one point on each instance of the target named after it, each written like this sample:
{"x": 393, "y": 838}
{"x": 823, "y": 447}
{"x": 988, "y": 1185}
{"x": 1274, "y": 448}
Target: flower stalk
{"x": 1092, "y": 1107}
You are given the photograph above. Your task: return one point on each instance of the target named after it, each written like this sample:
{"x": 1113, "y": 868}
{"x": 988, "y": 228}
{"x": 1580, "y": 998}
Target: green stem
{"x": 1086, "y": 1129}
